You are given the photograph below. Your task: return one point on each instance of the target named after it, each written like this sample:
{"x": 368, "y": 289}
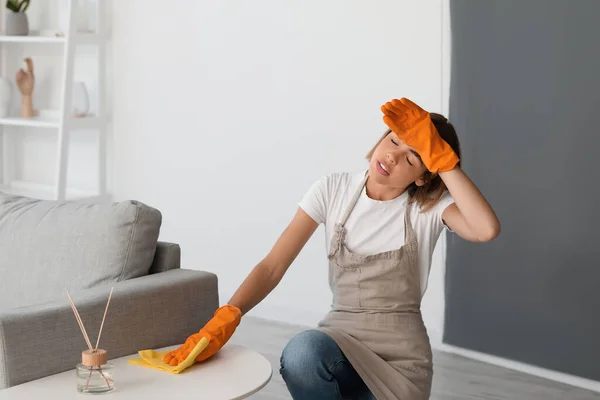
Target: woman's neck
{"x": 380, "y": 192}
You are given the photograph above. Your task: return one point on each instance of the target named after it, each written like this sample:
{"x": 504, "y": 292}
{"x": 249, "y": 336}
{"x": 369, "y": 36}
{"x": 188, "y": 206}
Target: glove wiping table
{"x": 155, "y": 359}
{"x": 198, "y": 347}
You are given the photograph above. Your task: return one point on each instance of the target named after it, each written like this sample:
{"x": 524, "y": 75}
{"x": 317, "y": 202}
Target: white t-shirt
{"x": 373, "y": 226}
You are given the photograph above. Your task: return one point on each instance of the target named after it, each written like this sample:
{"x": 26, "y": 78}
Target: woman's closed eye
{"x": 407, "y": 157}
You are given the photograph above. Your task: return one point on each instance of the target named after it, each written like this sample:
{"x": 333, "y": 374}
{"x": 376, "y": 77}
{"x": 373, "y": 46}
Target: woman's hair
{"x": 433, "y": 189}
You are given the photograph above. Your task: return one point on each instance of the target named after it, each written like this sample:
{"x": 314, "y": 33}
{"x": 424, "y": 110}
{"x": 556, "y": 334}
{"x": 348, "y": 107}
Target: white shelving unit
{"x": 61, "y": 121}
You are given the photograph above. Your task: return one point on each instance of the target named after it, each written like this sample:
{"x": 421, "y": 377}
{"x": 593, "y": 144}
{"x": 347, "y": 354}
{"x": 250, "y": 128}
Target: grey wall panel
{"x": 525, "y": 99}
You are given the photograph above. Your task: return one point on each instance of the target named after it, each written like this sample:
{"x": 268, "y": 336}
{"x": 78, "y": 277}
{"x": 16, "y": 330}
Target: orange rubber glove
{"x": 218, "y": 331}
{"x": 414, "y": 127}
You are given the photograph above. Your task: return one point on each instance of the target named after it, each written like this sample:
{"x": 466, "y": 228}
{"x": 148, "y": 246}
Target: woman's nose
{"x": 391, "y": 158}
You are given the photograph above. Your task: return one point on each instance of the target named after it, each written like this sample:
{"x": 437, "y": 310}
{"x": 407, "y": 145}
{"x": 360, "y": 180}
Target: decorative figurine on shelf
{"x": 25, "y": 82}
{"x": 80, "y": 103}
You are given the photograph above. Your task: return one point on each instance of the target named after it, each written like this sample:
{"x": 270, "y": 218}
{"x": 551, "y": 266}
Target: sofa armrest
{"x": 145, "y": 313}
{"x": 166, "y": 257}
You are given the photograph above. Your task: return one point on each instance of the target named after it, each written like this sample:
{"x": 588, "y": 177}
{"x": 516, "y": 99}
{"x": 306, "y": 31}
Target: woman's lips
{"x": 382, "y": 169}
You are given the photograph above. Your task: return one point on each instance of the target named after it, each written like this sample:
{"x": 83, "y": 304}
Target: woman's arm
{"x": 268, "y": 273}
{"x": 259, "y": 283}
{"x": 471, "y": 216}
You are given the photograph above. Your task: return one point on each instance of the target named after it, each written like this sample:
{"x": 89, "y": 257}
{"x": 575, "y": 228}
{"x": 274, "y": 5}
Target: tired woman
{"x": 382, "y": 225}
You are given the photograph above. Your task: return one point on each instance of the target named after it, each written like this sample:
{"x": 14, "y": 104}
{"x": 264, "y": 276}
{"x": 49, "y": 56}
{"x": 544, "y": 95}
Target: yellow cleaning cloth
{"x": 154, "y": 359}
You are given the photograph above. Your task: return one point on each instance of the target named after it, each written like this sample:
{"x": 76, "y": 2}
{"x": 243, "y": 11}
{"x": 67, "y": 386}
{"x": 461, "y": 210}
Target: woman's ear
{"x": 425, "y": 178}
{"x": 420, "y": 181}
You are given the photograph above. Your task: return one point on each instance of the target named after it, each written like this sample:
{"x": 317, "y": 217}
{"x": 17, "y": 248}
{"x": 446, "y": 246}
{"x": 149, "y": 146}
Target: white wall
{"x": 218, "y": 103}
{"x": 224, "y": 113}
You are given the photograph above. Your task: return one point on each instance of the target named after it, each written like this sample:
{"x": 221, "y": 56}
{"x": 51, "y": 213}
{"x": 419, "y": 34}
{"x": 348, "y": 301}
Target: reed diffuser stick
{"x": 80, "y": 322}
{"x": 103, "y": 318}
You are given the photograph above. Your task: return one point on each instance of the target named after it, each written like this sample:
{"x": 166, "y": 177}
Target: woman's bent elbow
{"x": 491, "y": 233}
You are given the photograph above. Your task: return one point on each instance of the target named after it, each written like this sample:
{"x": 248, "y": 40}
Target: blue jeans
{"x": 313, "y": 367}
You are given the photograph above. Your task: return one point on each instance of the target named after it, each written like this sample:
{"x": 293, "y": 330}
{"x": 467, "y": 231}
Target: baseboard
{"x": 435, "y": 338}
{"x": 522, "y": 367}
{"x": 290, "y": 315}
{"x": 287, "y": 315}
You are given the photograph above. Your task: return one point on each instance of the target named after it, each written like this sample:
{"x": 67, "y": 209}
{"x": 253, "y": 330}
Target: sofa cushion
{"x": 48, "y": 247}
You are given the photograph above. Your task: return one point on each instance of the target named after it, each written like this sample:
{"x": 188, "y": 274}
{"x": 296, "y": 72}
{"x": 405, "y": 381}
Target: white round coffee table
{"x": 235, "y": 372}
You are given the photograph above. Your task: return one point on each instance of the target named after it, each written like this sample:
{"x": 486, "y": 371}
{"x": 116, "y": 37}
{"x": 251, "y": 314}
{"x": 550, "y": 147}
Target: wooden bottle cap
{"x": 94, "y": 358}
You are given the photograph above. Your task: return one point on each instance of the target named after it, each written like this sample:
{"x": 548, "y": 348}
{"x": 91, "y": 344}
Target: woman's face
{"x": 396, "y": 165}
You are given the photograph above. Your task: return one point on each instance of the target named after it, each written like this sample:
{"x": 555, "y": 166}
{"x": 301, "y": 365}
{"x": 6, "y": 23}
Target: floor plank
{"x": 455, "y": 377}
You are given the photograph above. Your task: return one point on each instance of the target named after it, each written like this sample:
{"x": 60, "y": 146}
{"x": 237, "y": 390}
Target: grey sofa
{"x": 49, "y": 247}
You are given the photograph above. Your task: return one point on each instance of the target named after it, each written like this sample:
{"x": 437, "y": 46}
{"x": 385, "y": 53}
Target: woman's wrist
{"x": 27, "y": 105}
{"x": 454, "y": 170}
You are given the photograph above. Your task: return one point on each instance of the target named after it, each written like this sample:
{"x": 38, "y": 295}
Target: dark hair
{"x": 433, "y": 189}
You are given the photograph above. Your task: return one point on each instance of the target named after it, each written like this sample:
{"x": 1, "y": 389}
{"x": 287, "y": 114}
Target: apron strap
{"x": 409, "y": 233}
{"x": 354, "y": 200}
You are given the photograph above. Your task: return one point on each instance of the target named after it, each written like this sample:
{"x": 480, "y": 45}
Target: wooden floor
{"x": 455, "y": 378}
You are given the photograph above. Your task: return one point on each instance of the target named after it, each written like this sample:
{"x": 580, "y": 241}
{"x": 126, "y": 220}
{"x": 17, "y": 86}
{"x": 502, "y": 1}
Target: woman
{"x": 382, "y": 226}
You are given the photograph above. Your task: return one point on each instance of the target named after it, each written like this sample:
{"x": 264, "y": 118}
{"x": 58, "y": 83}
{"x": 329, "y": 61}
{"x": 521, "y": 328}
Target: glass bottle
{"x": 94, "y": 373}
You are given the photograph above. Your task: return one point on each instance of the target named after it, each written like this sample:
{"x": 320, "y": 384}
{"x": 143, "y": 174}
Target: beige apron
{"x": 375, "y": 317}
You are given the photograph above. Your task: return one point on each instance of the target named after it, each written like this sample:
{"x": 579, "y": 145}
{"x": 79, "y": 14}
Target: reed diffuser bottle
{"x": 94, "y": 373}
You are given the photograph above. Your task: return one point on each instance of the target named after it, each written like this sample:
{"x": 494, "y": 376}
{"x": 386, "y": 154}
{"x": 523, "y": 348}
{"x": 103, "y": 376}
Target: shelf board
{"x": 32, "y": 39}
{"x": 33, "y": 122}
{"x": 50, "y": 119}
{"x": 78, "y": 38}
{"x": 46, "y": 192}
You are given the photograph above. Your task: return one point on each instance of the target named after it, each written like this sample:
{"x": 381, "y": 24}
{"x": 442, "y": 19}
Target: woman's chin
{"x": 375, "y": 177}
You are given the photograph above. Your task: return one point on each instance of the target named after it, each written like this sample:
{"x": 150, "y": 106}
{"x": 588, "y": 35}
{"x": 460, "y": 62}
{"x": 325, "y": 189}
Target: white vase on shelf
{"x": 5, "y": 95}
{"x": 80, "y": 103}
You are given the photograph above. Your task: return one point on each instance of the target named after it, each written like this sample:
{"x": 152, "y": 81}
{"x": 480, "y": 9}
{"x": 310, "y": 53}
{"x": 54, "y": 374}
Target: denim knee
{"x": 308, "y": 356}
